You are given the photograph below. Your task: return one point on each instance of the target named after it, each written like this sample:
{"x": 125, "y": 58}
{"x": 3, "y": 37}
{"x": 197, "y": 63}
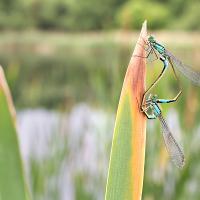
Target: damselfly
{"x": 157, "y": 48}
{"x": 152, "y": 111}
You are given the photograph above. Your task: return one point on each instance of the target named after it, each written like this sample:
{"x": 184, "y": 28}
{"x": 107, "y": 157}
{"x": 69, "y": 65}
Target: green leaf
{"x": 126, "y": 170}
{"x": 12, "y": 180}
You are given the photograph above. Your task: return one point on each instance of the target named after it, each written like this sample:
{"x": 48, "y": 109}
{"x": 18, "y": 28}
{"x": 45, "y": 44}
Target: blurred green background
{"x": 65, "y": 61}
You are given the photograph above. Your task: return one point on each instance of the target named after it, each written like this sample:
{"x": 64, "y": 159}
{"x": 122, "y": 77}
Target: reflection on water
{"x": 76, "y": 145}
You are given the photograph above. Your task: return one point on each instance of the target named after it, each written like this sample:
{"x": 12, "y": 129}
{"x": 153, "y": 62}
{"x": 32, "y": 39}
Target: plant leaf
{"x": 126, "y": 169}
{"x": 12, "y": 180}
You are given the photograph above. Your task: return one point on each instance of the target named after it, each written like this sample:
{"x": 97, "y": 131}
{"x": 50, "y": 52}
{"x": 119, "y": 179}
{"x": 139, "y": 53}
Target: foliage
{"x": 43, "y": 171}
{"x": 74, "y": 15}
{"x": 80, "y": 191}
{"x": 12, "y": 180}
{"x": 133, "y": 13}
{"x": 63, "y": 14}
{"x": 55, "y": 77}
{"x": 126, "y": 167}
{"x": 189, "y": 20}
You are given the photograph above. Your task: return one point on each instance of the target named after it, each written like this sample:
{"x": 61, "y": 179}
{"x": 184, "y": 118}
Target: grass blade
{"x": 12, "y": 180}
{"x": 126, "y": 170}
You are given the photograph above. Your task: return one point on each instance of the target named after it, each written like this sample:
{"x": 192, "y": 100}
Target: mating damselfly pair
{"x": 150, "y": 105}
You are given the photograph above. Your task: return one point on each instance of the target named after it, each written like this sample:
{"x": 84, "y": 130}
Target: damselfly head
{"x": 151, "y": 39}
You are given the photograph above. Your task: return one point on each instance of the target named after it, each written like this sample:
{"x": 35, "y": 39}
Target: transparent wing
{"x": 174, "y": 150}
{"x": 189, "y": 73}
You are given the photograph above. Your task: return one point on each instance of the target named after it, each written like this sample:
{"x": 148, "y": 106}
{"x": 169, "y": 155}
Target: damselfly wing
{"x": 174, "y": 150}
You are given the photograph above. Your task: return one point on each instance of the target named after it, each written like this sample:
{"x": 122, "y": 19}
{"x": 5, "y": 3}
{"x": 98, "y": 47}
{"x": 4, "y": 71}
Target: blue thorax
{"x": 159, "y": 48}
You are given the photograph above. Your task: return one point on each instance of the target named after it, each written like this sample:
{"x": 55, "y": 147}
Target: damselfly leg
{"x": 165, "y": 65}
{"x": 149, "y": 51}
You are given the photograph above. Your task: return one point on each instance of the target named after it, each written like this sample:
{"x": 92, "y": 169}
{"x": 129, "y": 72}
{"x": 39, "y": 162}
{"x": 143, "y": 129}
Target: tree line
{"x": 86, "y": 15}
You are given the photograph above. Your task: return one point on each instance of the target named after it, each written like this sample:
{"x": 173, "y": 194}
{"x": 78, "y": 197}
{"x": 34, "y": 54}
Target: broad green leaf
{"x": 12, "y": 180}
{"x": 126, "y": 170}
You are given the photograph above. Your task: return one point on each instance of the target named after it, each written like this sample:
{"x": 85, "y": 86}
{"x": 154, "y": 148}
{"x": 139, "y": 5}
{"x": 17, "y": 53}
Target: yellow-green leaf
{"x": 12, "y": 180}
{"x": 126, "y": 169}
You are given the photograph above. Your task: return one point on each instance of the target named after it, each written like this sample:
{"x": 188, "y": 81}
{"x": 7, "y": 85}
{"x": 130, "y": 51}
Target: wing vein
{"x": 174, "y": 150}
{"x": 187, "y": 71}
